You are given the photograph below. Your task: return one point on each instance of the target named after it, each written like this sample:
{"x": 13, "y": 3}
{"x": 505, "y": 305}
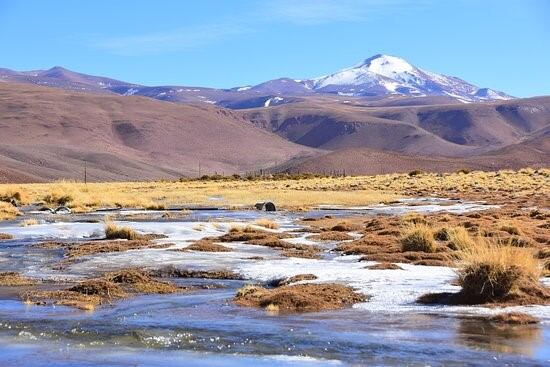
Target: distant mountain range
{"x": 380, "y": 76}
{"x": 382, "y": 115}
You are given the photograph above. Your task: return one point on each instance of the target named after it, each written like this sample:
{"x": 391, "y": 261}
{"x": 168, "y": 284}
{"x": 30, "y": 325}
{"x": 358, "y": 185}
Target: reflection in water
{"x": 502, "y": 338}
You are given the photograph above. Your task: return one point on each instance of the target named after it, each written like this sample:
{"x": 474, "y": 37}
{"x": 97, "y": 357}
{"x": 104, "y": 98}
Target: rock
{"x": 267, "y": 206}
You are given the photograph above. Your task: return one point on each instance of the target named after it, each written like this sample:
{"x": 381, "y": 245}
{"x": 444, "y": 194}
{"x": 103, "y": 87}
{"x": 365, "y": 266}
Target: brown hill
{"x": 533, "y": 152}
{"x": 49, "y": 133}
{"x": 441, "y": 130}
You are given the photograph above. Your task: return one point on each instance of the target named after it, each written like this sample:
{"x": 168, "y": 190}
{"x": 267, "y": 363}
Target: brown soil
{"x": 295, "y": 279}
{"x": 173, "y": 272}
{"x": 5, "y": 236}
{"x": 384, "y": 266}
{"x": 206, "y": 245}
{"x": 514, "y": 318}
{"x": 330, "y": 236}
{"x": 13, "y": 279}
{"x": 299, "y": 298}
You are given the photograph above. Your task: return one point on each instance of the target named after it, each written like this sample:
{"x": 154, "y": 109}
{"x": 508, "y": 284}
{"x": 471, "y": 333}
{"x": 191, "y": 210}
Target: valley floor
{"x": 228, "y": 284}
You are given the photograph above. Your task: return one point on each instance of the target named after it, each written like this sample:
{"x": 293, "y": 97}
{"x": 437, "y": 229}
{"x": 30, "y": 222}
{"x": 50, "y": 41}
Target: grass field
{"x": 290, "y": 193}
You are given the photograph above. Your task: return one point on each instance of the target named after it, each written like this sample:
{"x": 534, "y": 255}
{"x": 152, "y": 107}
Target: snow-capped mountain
{"x": 378, "y": 76}
{"x": 387, "y": 75}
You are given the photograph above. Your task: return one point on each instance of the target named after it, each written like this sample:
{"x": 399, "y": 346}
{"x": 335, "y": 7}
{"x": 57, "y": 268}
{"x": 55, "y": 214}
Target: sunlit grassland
{"x": 286, "y": 193}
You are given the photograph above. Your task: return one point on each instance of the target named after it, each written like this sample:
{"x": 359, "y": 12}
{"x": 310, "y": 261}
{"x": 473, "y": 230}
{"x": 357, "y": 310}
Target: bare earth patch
{"x": 5, "y": 236}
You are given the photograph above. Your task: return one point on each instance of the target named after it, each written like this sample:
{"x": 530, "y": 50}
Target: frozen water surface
{"x": 204, "y": 328}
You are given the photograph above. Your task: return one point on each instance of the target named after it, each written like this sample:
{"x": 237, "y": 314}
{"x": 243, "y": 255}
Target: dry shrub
{"x": 299, "y": 298}
{"x": 5, "y": 236}
{"x": 418, "y": 237}
{"x": 267, "y": 223}
{"x": 113, "y": 231}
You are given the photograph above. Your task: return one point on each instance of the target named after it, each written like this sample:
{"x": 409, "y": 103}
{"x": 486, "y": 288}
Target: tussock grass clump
{"x": 8, "y": 211}
{"x": 460, "y": 239}
{"x": 491, "y": 272}
{"x": 58, "y": 198}
{"x": 19, "y": 196}
{"x": 414, "y": 218}
{"x": 511, "y": 228}
{"x": 267, "y": 223}
{"x": 5, "y": 236}
{"x": 113, "y": 231}
{"x": 418, "y": 237}
{"x": 344, "y": 227}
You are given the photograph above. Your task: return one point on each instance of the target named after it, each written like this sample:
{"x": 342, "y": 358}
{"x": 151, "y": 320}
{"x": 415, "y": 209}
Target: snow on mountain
{"x": 384, "y": 74}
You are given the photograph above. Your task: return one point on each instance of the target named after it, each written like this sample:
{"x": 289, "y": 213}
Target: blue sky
{"x": 499, "y": 44}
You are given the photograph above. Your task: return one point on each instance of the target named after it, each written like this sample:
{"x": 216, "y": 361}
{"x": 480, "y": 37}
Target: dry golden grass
{"x": 460, "y": 239}
{"x": 266, "y": 223}
{"x": 418, "y": 237}
{"x": 113, "y": 231}
{"x": 286, "y": 193}
{"x": 491, "y": 272}
{"x": 8, "y": 211}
